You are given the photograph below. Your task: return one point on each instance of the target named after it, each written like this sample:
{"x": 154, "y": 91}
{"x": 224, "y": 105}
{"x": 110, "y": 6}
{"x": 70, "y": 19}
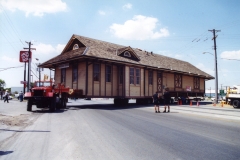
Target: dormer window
{"x": 127, "y": 54}
{"x": 75, "y": 46}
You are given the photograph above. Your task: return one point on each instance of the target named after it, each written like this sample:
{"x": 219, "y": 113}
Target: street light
{"x": 216, "y": 77}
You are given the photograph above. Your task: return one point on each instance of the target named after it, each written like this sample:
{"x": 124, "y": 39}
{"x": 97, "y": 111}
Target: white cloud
{"x": 45, "y": 52}
{"x": 9, "y": 59}
{"x": 230, "y": 54}
{"x": 127, "y": 6}
{"x": 139, "y": 28}
{"x": 35, "y": 7}
{"x": 205, "y": 69}
{"x": 101, "y": 12}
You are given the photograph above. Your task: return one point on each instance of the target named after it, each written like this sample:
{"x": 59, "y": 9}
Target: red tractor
{"x": 45, "y": 94}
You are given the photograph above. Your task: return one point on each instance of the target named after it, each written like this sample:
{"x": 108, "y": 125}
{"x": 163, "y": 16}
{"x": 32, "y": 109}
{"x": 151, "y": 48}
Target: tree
{"x": 2, "y": 84}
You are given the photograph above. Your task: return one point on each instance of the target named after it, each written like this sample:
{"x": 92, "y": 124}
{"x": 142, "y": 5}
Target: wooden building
{"x": 99, "y": 69}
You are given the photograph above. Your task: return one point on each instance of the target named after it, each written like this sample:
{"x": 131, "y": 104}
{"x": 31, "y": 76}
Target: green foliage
{"x": 2, "y": 84}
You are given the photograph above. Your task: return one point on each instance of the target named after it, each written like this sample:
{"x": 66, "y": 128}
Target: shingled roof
{"x": 93, "y": 48}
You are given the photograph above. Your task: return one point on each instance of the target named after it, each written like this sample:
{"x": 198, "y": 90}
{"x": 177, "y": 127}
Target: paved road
{"x": 100, "y": 130}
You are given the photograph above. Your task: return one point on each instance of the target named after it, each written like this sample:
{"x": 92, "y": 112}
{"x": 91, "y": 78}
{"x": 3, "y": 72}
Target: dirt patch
{"x": 20, "y": 120}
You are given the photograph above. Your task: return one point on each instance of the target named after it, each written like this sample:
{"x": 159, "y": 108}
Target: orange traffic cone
{"x": 190, "y": 102}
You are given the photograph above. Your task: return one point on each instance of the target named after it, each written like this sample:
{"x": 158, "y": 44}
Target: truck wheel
{"x": 52, "y": 107}
{"x": 236, "y": 103}
{"x": 29, "y": 105}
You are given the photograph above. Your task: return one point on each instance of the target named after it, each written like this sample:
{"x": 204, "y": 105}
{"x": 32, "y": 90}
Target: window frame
{"x": 96, "y": 72}
{"x": 74, "y": 73}
{"x": 131, "y": 75}
{"x": 63, "y": 75}
{"x": 134, "y": 76}
{"x": 127, "y": 54}
{"x": 196, "y": 82}
{"x": 150, "y": 77}
{"x": 178, "y": 81}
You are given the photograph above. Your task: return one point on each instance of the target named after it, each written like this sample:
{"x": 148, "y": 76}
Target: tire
{"x": 29, "y": 105}
{"x": 236, "y": 104}
{"x": 52, "y": 106}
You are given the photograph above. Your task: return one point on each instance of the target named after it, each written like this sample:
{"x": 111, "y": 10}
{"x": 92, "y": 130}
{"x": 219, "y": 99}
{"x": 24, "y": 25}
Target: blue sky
{"x": 178, "y": 29}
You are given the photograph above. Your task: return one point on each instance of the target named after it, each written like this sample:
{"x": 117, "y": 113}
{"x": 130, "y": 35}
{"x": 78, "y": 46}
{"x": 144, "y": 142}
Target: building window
{"x": 131, "y": 75}
{"x": 137, "y": 76}
{"x": 134, "y": 76}
{"x": 159, "y": 81}
{"x": 75, "y": 73}
{"x": 120, "y": 75}
{"x": 196, "y": 82}
{"x": 108, "y": 73}
{"x": 75, "y": 46}
{"x": 127, "y": 54}
{"x": 63, "y": 75}
{"x": 178, "y": 81}
{"x": 96, "y": 72}
{"x": 150, "y": 77}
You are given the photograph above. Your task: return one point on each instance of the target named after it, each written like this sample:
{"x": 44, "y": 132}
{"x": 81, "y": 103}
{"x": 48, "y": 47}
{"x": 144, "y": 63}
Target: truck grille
{"x": 38, "y": 92}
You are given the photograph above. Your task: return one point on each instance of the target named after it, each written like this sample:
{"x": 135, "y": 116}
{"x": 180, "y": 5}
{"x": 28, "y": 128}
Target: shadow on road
{"x": 105, "y": 106}
{"x": 61, "y": 110}
{"x": 22, "y": 130}
{"x": 5, "y": 152}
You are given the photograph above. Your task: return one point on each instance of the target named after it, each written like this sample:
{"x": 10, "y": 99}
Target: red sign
{"x": 24, "y": 56}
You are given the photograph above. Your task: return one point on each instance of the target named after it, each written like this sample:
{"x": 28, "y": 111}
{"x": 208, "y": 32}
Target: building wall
{"x": 113, "y": 88}
{"x": 103, "y": 84}
{"x": 90, "y": 80}
{"x": 57, "y": 76}
{"x": 82, "y": 76}
{"x": 187, "y": 81}
{"x": 127, "y": 81}
{"x": 114, "y": 80}
{"x": 202, "y": 84}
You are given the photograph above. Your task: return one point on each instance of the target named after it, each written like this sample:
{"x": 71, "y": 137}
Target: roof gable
{"x": 73, "y": 42}
{"x": 128, "y": 52}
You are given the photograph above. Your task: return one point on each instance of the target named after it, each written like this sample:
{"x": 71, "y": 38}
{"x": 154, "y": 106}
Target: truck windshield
{"x": 43, "y": 84}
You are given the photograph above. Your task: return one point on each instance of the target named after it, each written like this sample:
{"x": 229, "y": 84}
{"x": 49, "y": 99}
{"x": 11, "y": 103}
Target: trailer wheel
{"x": 52, "y": 107}
{"x": 236, "y": 103}
{"x": 29, "y": 105}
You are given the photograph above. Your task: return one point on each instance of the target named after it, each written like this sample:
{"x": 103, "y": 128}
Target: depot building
{"x": 99, "y": 69}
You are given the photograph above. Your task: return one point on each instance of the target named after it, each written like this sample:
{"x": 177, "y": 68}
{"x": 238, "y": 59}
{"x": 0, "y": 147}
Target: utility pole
{"x": 24, "y": 86}
{"x": 29, "y": 64}
{"x": 216, "y": 71}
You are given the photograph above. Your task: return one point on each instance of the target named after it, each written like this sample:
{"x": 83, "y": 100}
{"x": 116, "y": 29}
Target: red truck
{"x": 45, "y": 94}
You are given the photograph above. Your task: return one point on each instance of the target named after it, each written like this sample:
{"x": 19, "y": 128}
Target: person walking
{"x": 156, "y": 102}
{"x": 6, "y": 96}
{"x": 167, "y": 99}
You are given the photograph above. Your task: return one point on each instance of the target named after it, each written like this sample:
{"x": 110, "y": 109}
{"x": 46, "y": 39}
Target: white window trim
{"x": 127, "y": 55}
{"x": 75, "y": 46}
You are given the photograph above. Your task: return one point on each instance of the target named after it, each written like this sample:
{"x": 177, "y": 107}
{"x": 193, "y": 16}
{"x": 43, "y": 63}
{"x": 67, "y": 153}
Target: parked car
{"x": 219, "y": 98}
{"x": 9, "y": 97}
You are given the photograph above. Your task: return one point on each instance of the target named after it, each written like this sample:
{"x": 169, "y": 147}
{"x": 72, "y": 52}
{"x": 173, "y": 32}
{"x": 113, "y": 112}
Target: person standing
{"x": 6, "y": 96}
{"x": 156, "y": 102}
{"x": 167, "y": 99}
{"x": 1, "y": 93}
{"x": 21, "y": 96}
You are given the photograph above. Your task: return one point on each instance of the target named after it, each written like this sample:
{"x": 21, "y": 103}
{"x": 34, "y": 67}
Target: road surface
{"x": 99, "y": 130}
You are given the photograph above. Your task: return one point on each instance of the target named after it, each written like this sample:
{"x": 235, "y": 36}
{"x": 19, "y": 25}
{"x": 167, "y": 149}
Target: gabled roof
{"x": 108, "y": 51}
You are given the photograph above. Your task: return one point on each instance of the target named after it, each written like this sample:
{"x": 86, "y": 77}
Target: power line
{"x": 12, "y": 25}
